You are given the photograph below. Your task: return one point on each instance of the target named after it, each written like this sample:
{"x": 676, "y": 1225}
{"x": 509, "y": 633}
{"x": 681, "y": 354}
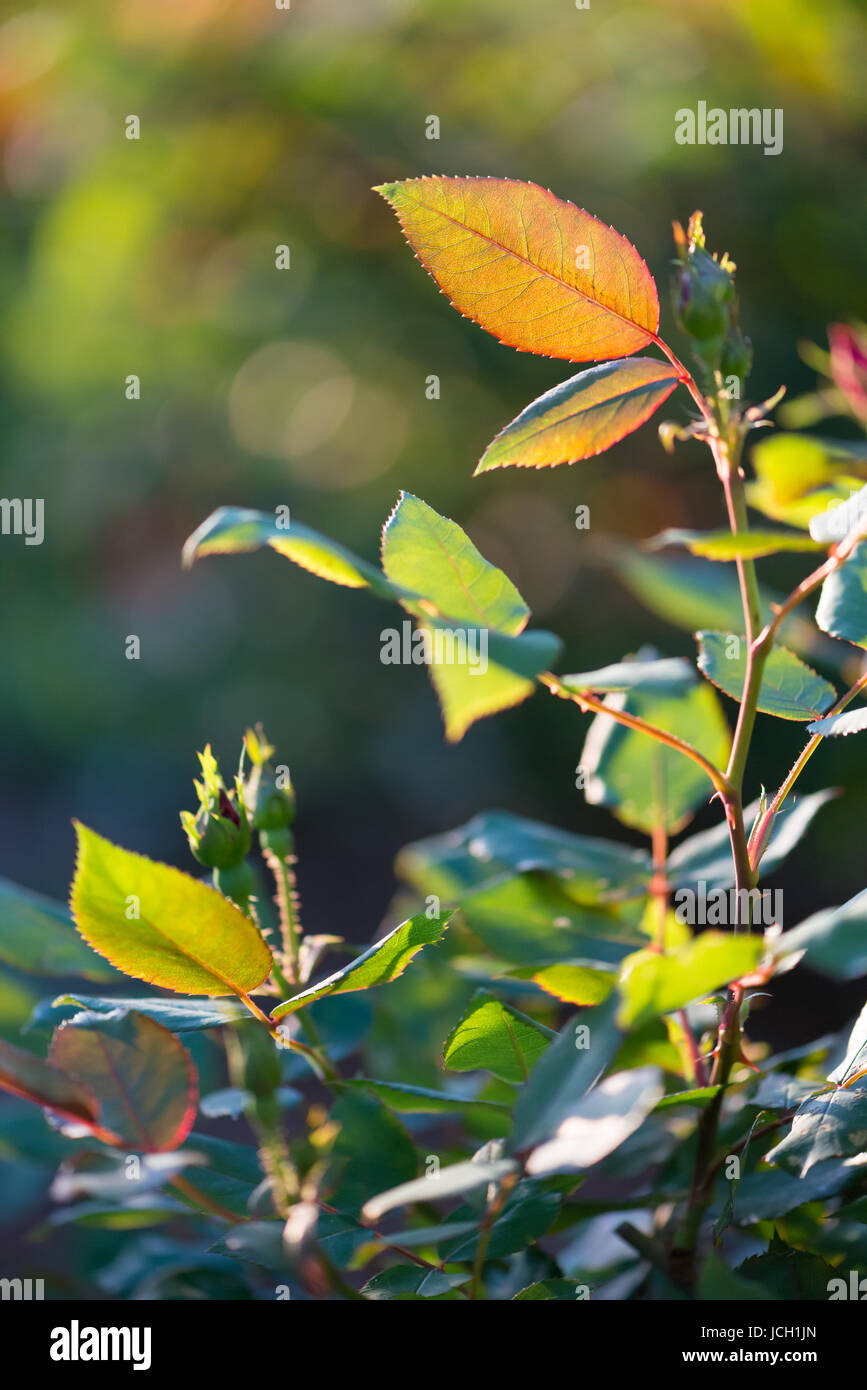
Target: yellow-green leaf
{"x": 380, "y": 964}
{"x": 158, "y": 924}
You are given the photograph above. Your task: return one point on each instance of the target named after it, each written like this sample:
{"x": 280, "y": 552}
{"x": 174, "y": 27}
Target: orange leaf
{"x": 538, "y": 273}
{"x": 583, "y": 416}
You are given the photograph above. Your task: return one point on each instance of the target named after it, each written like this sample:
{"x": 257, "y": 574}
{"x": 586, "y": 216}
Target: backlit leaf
{"x": 378, "y": 965}
{"x": 159, "y": 925}
{"x": 799, "y": 475}
{"x": 574, "y": 984}
{"x": 468, "y": 691}
{"x": 582, "y": 416}
{"x": 653, "y": 984}
{"x": 23, "y": 1074}
{"x": 538, "y": 273}
{"x": 432, "y": 557}
{"x": 236, "y": 530}
{"x": 142, "y": 1077}
{"x": 790, "y": 689}
{"x": 723, "y": 545}
{"x": 497, "y": 1038}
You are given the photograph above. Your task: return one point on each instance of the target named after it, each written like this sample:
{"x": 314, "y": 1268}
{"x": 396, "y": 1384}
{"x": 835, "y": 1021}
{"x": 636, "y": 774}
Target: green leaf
{"x": 832, "y": 1125}
{"x": 652, "y": 984}
{"x": 494, "y": 1037}
{"x": 842, "y": 608}
{"x": 571, "y": 1065}
{"x": 372, "y": 1148}
{"x": 642, "y": 782}
{"x": 409, "y": 1281}
{"x": 159, "y": 925}
{"x": 790, "y": 689}
{"x": 791, "y": 1275}
{"x": 39, "y": 937}
{"x": 528, "y": 1214}
{"x": 835, "y": 939}
{"x": 378, "y": 965}
{"x": 420, "y": 1100}
{"x": 724, "y": 545}
{"x": 496, "y": 844}
{"x": 717, "y": 1283}
{"x": 583, "y": 416}
{"x": 669, "y": 676}
{"x": 768, "y": 1193}
{"x": 258, "y": 1243}
{"x": 502, "y": 672}
{"x": 142, "y": 1077}
{"x": 853, "y": 721}
{"x": 550, "y": 1290}
{"x": 178, "y": 1015}
{"x": 599, "y": 1122}
{"x": 707, "y": 856}
{"x": 451, "y": 1181}
{"x": 231, "y": 1176}
{"x": 531, "y": 921}
{"x": 471, "y": 617}
{"x": 700, "y": 1097}
{"x": 429, "y": 555}
{"x": 26, "y": 1075}
{"x": 235, "y": 530}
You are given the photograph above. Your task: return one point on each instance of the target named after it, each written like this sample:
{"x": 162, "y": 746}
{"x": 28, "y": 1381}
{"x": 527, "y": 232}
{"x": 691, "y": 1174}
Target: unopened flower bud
{"x": 219, "y": 832}
{"x": 269, "y": 796}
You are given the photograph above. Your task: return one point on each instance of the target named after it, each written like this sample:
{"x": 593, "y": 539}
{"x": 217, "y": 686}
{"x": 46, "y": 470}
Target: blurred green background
{"x": 306, "y": 386}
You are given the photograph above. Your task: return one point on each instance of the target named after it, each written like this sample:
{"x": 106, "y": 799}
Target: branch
{"x": 588, "y": 702}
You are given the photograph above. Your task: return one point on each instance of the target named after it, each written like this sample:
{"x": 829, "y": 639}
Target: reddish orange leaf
{"x": 142, "y": 1077}
{"x": 582, "y": 416}
{"x": 538, "y": 273}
